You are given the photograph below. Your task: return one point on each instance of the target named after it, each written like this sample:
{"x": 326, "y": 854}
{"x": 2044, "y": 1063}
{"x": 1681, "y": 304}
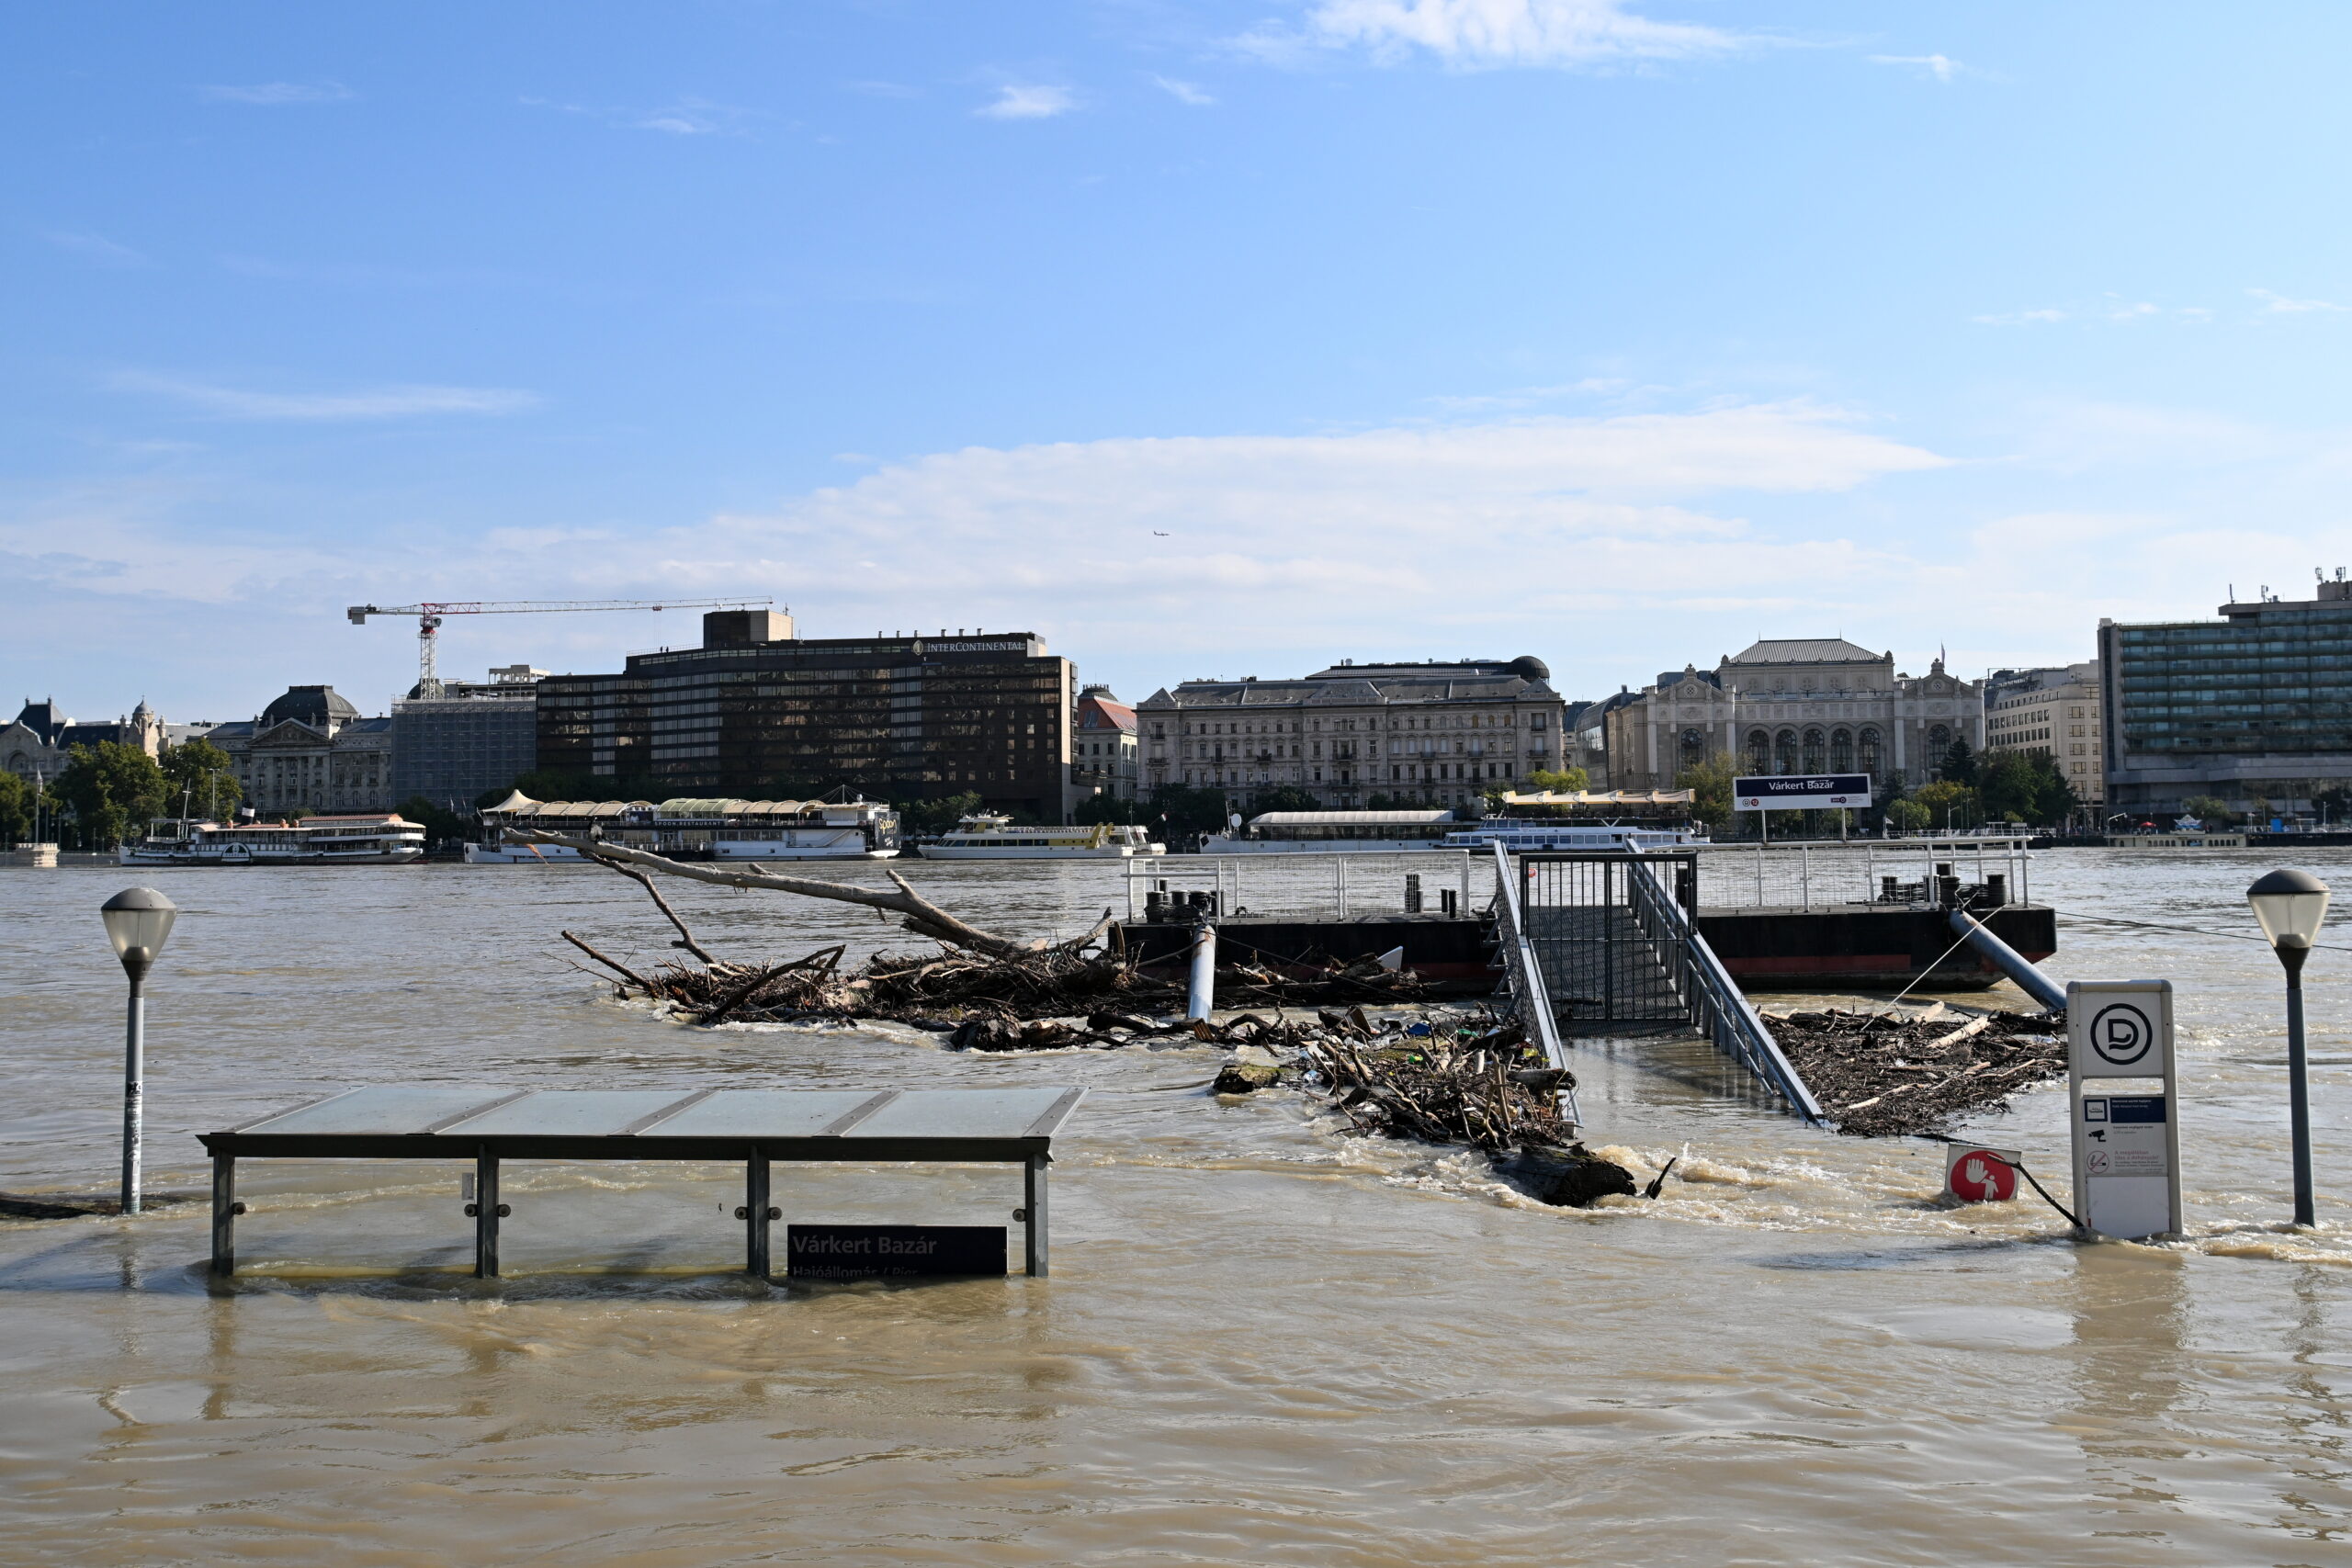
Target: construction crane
{"x": 429, "y": 619}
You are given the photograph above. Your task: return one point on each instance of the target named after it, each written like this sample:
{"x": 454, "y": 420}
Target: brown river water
{"x": 1264, "y": 1340}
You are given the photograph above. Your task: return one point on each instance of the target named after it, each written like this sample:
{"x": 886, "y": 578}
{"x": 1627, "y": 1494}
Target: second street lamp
{"x": 2291, "y": 904}
{"x": 138, "y": 920}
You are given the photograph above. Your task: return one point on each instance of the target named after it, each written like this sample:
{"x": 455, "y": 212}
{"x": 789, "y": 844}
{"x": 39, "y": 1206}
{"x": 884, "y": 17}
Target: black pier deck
{"x": 756, "y": 1126}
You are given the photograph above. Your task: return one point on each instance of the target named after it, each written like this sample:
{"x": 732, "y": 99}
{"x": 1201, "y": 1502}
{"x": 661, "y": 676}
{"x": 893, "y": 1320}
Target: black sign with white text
{"x": 859, "y": 1252}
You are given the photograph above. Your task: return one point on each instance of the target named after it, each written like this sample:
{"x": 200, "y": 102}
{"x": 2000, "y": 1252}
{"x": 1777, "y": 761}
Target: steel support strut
{"x": 486, "y": 1212}
{"x": 224, "y": 1215}
{"x": 756, "y": 1215}
{"x": 1033, "y": 1209}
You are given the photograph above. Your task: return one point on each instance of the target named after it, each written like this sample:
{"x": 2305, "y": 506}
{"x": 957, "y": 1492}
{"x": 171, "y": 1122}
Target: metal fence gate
{"x": 1610, "y": 954}
{"x": 1615, "y": 938}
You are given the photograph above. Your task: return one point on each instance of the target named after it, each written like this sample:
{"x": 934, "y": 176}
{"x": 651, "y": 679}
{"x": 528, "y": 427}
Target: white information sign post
{"x": 2126, "y": 1129}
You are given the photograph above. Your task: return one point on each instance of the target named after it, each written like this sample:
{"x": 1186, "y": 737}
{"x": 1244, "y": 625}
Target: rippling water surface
{"x": 1264, "y": 1340}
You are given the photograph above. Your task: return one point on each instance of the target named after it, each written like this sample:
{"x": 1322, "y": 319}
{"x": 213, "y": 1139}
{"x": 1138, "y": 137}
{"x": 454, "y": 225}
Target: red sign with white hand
{"x": 1979, "y": 1175}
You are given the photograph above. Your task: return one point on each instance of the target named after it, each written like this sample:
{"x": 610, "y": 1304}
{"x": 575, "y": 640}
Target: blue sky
{"x": 1618, "y": 332}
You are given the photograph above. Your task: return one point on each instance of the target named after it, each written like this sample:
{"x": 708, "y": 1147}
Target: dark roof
{"x": 43, "y": 719}
{"x": 315, "y": 706}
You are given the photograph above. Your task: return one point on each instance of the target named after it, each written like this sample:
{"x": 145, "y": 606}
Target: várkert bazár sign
{"x": 1802, "y": 791}
{"x": 858, "y": 1252}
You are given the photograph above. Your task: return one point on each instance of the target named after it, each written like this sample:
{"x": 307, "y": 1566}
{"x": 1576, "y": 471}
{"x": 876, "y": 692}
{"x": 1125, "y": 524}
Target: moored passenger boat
{"x": 382, "y": 838}
{"x": 1333, "y": 832}
{"x": 984, "y": 836}
{"x": 688, "y": 829}
{"x": 1523, "y": 837}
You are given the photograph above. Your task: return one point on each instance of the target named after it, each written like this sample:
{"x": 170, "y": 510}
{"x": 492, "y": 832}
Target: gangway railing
{"x": 1530, "y": 999}
{"x": 1719, "y": 1008}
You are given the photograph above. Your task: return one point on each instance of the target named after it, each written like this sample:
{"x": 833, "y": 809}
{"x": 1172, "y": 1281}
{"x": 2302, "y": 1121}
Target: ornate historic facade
{"x": 35, "y": 743}
{"x": 1441, "y": 733}
{"x": 310, "y": 751}
{"x": 1794, "y": 705}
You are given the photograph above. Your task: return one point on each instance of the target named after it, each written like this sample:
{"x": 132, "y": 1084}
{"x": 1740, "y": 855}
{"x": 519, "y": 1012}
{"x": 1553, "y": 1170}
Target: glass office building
{"x": 2255, "y": 708}
{"x": 761, "y": 713}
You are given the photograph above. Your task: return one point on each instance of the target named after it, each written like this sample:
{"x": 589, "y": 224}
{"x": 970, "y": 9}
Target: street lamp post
{"x": 138, "y": 920}
{"x": 2291, "y": 904}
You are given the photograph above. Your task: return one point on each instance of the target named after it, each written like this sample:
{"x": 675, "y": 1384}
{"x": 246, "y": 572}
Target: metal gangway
{"x": 1610, "y": 940}
{"x": 1530, "y": 1000}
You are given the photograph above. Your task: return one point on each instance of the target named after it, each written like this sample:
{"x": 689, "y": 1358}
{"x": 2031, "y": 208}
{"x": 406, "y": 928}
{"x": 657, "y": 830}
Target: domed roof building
{"x": 311, "y": 752}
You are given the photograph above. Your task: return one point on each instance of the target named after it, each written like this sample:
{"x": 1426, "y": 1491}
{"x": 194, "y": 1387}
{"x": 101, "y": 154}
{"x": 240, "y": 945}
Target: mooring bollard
{"x": 1204, "y": 991}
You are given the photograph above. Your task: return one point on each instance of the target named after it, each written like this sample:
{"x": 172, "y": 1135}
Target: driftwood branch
{"x": 917, "y": 913}
{"x": 686, "y": 938}
{"x": 623, "y": 969}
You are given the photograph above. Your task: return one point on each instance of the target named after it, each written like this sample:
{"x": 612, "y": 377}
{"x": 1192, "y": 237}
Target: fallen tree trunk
{"x": 919, "y": 914}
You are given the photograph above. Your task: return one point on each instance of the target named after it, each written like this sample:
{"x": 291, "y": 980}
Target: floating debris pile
{"x": 1883, "y": 1075}
{"x": 1442, "y": 1078}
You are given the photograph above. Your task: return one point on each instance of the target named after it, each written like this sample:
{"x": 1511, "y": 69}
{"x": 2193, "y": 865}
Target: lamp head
{"x": 138, "y": 920}
{"x": 2291, "y": 904}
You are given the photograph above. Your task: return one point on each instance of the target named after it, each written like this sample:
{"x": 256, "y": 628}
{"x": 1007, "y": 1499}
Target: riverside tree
{"x": 200, "y": 774}
{"x": 112, "y": 789}
{"x": 15, "y": 809}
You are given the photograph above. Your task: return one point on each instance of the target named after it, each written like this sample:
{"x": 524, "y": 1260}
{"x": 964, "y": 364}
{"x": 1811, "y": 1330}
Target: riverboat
{"x": 985, "y": 836}
{"x": 690, "y": 828}
{"x": 383, "y": 838}
{"x": 1333, "y": 832}
{"x": 1522, "y": 836}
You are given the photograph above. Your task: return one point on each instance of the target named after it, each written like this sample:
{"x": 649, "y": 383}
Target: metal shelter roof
{"x": 455, "y": 1120}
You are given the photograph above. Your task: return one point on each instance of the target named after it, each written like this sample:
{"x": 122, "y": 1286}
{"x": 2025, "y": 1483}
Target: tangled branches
{"x": 1887, "y": 1075}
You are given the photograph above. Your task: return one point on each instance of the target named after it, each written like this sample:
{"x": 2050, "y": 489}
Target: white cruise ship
{"x": 384, "y": 838}
{"x": 989, "y": 837}
{"x": 1333, "y": 832}
{"x": 692, "y": 829}
{"x": 1523, "y": 837}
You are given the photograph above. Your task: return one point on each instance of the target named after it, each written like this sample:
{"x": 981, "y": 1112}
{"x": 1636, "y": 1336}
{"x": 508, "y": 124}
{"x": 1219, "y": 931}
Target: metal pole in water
{"x": 2298, "y": 1092}
{"x": 134, "y": 1048}
{"x": 1204, "y": 988}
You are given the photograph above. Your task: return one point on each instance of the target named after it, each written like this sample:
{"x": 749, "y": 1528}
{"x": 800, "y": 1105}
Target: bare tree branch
{"x": 686, "y": 938}
{"x": 918, "y": 913}
{"x": 610, "y": 963}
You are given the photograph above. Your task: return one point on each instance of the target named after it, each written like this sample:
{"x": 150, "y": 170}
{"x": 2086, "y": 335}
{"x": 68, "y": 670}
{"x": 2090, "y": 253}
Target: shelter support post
{"x": 1033, "y": 1210}
{"x": 756, "y": 1215}
{"x": 224, "y": 1215}
{"x": 487, "y": 1210}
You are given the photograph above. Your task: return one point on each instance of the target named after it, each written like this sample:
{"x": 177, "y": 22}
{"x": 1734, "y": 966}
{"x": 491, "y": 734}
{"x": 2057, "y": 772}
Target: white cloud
{"x": 96, "y": 248}
{"x": 277, "y": 94}
{"x": 1013, "y": 102}
{"x": 1492, "y": 32}
{"x": 687, "y": 117}
{"x": 1941, "y": 67}
{"x": 1183, "y": 92}
{"x": 2279, "y": 305}
{"x": 378, "y": 402}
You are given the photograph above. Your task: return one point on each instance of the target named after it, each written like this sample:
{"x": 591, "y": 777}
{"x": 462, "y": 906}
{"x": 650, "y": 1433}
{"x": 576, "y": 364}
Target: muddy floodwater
{"x": 1264, "y": 1341}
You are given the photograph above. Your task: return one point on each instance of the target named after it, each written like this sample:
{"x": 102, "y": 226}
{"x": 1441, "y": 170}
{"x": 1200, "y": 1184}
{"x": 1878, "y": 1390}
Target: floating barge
{"x": 1811, "y": 917}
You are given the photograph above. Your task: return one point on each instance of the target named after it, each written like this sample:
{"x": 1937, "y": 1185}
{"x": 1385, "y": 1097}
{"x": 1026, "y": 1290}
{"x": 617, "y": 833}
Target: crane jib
{"x": 428, "y": 622}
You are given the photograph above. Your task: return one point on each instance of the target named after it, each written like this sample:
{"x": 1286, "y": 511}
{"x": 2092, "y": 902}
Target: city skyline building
{"x": 2255, "y": 708}
{"x": 1104, "y": 758}
{"x": 1441, "y": 733}
{"x": 311, "y": 751}
{"x": 475, "y": 736}
{"x": 2050, "y": 712}
{"x": 1793, "y": 706}
{"x": 760, "y": 712}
